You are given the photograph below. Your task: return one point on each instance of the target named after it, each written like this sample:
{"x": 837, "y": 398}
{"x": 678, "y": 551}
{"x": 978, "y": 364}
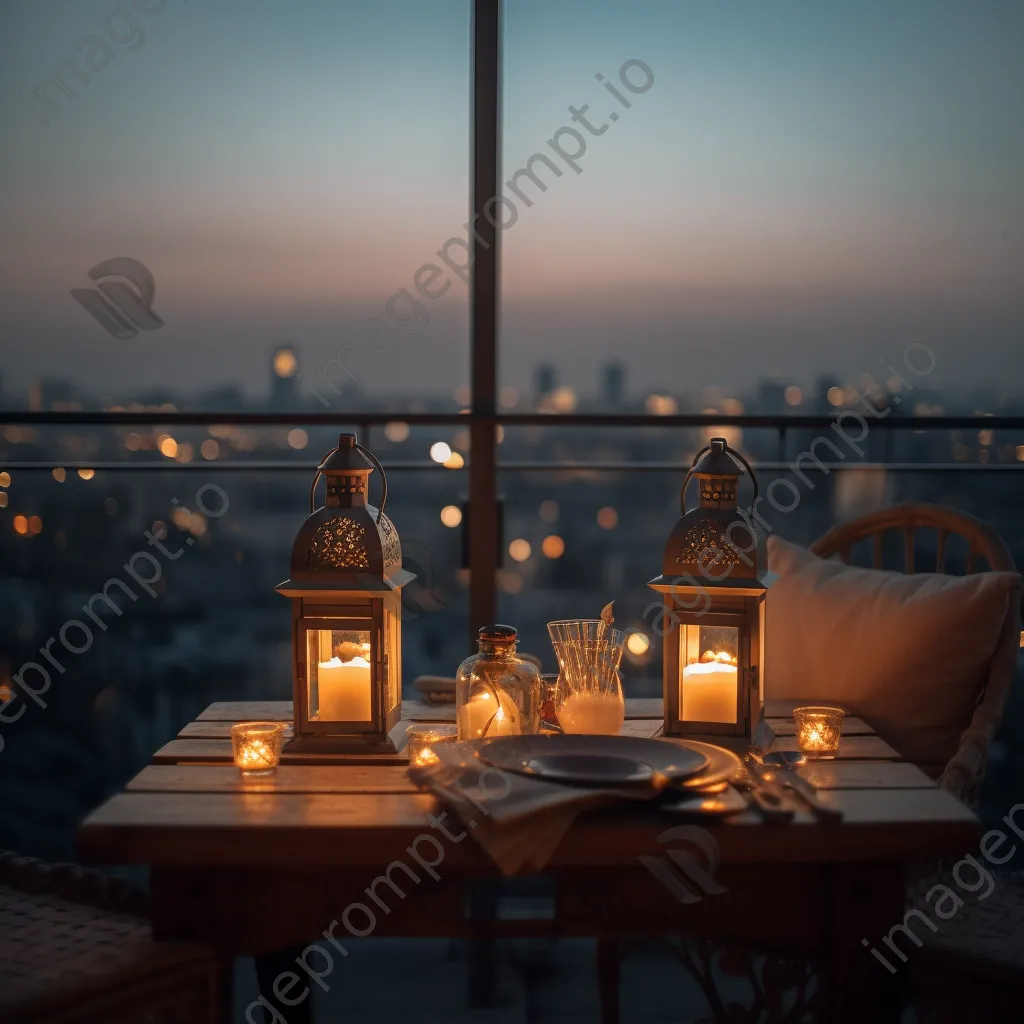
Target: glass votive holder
{"x": 257, "y": 746}
{"x": 422, "y": 738}
{"x": 818, "y": 731}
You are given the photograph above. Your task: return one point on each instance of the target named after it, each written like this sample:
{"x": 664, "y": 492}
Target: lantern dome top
{"x": 717, "y": 462}
{"x": 348, "y": 457}
{"x": 347, "y": 544}
{"x": 715, "y": 544}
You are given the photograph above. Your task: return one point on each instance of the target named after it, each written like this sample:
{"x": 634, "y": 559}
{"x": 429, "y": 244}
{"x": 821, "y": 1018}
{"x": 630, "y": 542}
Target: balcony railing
{"x": 793, "y": 434}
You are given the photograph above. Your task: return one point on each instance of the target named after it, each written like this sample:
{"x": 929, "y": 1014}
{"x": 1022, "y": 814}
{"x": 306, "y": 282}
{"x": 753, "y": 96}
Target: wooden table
{"x": 254, "y": 865}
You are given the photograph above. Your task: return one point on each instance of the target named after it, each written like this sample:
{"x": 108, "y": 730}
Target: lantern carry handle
{"x": 689, "y": 475}
{"x": 373, "y": 458}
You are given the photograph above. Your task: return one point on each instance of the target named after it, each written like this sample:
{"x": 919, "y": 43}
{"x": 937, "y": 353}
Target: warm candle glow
{"x": 421, "y": 740}
{"x": 818, "y": 731}
{"x": 344, "y": 688}
{"x": 256, "y": 746}
{"x": 255, "y": 754}
{"x": 708, "y": 690}
{"x": 485, "y": 716}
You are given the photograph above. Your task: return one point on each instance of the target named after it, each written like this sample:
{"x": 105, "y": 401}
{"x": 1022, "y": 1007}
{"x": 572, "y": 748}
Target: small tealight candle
{"x": 421, "y": 740}
{"x": 257, "y": 746}
{"x": 818, "y": 731}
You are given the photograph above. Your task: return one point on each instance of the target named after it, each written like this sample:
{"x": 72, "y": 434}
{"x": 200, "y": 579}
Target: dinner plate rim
{"x": 637, "y": 755}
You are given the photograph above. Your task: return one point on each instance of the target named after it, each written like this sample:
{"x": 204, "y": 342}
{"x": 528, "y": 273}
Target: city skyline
{"x": 791, "y": 196}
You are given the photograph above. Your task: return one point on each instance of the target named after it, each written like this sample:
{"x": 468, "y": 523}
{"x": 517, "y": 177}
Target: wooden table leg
{"x": 225, "y": 991}
{"x": 271, "y": 965}
{"x": 483, "y": 945}
{"x": 609, "y": 970}
{"x": 866, "y": 900}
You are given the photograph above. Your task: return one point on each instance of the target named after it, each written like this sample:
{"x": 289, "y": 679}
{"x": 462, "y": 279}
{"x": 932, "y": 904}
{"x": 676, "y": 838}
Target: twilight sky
{"x": 806, "y": 187}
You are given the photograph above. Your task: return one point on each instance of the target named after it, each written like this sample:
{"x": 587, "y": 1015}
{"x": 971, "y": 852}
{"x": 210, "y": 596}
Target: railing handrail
{"x": 553, "y": 466}
{"x": 562, "y": 420}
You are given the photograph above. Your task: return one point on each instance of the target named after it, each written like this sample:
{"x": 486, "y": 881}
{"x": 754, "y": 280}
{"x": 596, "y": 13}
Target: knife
{"x": 786, "y": 775}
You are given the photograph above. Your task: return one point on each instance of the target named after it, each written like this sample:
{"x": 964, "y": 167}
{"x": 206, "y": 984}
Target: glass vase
{"x": 496, "y": 692}
{"x": 588, "y": 697}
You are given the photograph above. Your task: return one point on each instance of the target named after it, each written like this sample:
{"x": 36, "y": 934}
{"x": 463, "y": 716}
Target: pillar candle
{"x": 709, "y": 692}
{"x": 502, "y": 714}
{"x": 344, "y": 688}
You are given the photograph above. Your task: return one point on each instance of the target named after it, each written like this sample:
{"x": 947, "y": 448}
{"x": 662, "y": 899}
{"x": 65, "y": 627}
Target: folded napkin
{"x": 519, "y": 821}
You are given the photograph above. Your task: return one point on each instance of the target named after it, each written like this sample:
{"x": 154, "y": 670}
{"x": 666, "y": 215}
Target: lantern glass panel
{"x": 391, "y": 662}
{"x": 760, "y": 651}
{"x": 708, "y": 666}
{"x": 340, "y": 675}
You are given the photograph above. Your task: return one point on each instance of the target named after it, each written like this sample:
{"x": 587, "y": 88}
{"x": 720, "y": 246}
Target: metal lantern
{"x": 345, "y": 589}
{"x": 713, "y": 582}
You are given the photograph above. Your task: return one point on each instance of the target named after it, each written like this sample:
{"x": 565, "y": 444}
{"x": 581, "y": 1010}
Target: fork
{"x": 764, "y": 797}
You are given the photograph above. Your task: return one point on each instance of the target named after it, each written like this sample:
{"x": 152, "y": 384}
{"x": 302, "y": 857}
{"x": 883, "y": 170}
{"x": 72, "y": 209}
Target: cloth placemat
{"x": 519, "y": 821}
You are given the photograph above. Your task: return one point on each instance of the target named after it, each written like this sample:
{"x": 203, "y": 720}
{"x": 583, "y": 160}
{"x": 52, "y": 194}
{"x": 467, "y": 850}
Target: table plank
{"x": 852, "y": 726}
{"x": 371, "y": 829}
{"x": 248, "y": 711}
{"x": 645, "y": 707}
{"x": 221, "y": 729}
{"x": 207, "y": 730}
{"x": 645, "y": 728}
{"x": 377, "y": 778}
{"x": 865, "y": 775}
{"x": 851, "y": 748}
{"x": 160, "y": 778}
{"x": 218, "y": 752}
{"x": 208, "y": 742}
{"x": 415, "y": 710}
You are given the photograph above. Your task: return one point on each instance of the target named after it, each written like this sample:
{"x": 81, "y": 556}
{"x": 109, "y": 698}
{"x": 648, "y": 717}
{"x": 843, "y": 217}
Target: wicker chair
{"x": 973, "y": 967}
{"x": 75, "y": 948}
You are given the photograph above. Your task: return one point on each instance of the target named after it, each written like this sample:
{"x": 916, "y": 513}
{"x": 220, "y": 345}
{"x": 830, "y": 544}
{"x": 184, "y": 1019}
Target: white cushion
{"x": 910, "y": 654}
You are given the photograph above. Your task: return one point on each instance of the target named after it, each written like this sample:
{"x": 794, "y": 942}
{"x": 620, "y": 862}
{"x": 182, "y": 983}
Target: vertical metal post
{"x": 483, "y": 515}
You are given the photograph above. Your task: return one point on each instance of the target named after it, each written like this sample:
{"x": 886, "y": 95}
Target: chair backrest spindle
{"x": 972, "y": 554}
{"x": 908, "y": 550}
{"x": 982, "y": 540}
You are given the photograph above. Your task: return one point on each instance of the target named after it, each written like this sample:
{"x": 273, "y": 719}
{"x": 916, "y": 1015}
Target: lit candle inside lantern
{"x": 709, "y": 689}
{"x": 599, "y": 714}
{"x": 344, "y": 688}
{"x": 485, "y": 717}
